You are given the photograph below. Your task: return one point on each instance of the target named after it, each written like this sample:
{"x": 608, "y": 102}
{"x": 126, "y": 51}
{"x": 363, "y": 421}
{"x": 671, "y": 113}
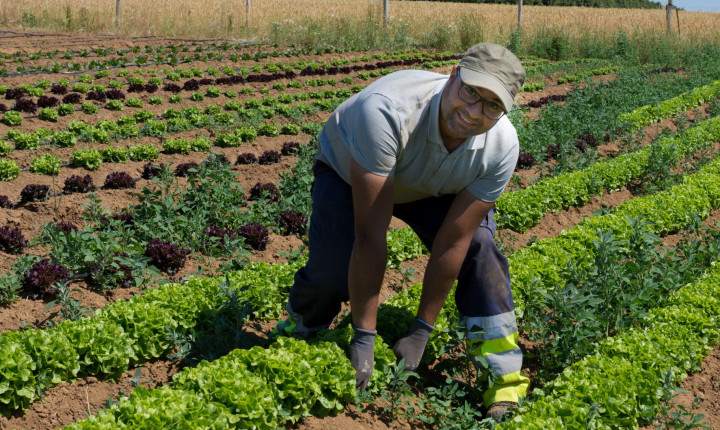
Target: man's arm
{"x": 373, "y": 204}
{"x": 448, "y": 252}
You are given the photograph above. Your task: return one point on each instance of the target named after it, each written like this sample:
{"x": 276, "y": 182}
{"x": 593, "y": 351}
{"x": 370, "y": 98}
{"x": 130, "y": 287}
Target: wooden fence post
{"x": 117, "y": 13}
{"x": 247, "y": 13}
{"x": 520, "y": 14}
{"x": 668, "y": 16}
{"x": 386, "y": 13}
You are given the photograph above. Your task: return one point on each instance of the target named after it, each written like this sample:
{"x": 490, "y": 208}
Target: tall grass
{"x": 359, "y": 23}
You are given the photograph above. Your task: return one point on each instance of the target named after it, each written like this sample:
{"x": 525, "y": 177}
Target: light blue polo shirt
{"x": 392, "y": 128}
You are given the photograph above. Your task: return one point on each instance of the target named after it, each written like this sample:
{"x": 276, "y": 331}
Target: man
{"x": 436, "y": 152}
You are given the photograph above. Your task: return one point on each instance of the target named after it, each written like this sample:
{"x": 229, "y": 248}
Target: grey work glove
{"x": 362, "y": 356}
{"x": 412, "y": 346}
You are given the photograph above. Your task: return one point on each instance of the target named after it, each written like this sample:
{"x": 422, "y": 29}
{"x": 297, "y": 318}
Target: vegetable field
{"x": 154, "y": 204}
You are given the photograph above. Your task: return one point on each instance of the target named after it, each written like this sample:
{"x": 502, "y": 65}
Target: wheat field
{"x": 313, "y": 21}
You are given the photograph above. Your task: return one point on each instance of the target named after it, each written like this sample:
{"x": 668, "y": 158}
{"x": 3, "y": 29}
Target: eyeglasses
{"x": 468, "y": 94}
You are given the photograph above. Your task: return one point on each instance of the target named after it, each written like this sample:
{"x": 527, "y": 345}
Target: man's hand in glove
{"x": 412, "y": 346}
{"x": 362, "y": 356}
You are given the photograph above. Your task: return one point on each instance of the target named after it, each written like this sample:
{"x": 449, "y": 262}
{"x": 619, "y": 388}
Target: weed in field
{"x": 673, "y": 415}
{"x": 623, "y": 284}
{"x": 69, "y": 308}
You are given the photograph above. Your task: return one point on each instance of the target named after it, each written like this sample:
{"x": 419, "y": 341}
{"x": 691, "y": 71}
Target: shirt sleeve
{"x": 489, "y": 187}
{"x": 375, "y": 140}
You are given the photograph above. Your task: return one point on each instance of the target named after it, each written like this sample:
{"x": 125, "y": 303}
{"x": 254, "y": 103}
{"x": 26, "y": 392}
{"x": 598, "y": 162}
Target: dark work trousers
{"x": 322, "y": 285}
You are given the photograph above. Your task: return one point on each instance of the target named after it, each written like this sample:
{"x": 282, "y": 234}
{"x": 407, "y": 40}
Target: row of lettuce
{"x": 522, "y": 209}
{"x": 666, "y": 211}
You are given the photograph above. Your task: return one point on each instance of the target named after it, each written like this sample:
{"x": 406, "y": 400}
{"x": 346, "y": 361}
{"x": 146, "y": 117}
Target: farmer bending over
{"x": 436, "y": 152}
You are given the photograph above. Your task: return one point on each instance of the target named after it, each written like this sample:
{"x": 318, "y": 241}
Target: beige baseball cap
{"x": 495, "y": 68}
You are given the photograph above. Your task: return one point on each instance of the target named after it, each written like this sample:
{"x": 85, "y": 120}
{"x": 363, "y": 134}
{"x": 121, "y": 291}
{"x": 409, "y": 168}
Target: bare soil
{"x": 70, "y": 402}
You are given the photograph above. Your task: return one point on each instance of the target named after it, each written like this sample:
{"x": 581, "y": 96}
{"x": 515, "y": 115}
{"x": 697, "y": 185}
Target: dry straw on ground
{"x": 311, "y": 21}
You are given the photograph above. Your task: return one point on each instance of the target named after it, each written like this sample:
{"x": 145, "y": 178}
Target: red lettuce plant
{"x": 290, "y": 148}
{"x": 268, "y": 188}
{"x": 115, "y": 94}
{"x": 5, "y": 203}
{"x": 269, "y": 157}
{"x": 73, "y": 98}
{"x": 183, "y": 169}
{"x": 166, "y": 256}
{"x": 255, "y": 235}
{"x": 43, "y": 277}
{"x": 34, "y": 193}
{"x": 292, "y": 222}
{"x": 525, "y": 161}
{"x": 119, "y": 181}
{"x": 59, "y": 89}
{"x": 65, "y": 227}
{"x": 25, "y": 105}
{"x": 78, "y": 184}
{"x": 12, "y": 240}
{"x": 150, "y": 171}
{"x": 246, "y": 158}
{"x": 96, "y": 95}
{"x": 136, "y": 88}
{"x": 173, "y": 88}
{"x": 47, "y": 101}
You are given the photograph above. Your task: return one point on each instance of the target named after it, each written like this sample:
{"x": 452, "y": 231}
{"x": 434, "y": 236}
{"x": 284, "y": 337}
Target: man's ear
{"x": 453, "y": 71}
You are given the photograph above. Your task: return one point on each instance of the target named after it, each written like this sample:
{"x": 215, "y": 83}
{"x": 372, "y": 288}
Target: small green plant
{"x": 290, "y": 129}
{"x": 228, "y": 140}
{"x": 115, "y": 105}
{"x": 5, "y": 148}
{"x": 143, "y": 115}
{"x": 213, "y": 92}
{"x": 247, "y": 133}
{"x": 155, "y": 101}
{"x": 22, "y": 140}
{"x": 674, "y": 415}
{"x": 197, "y": 96}
{"x": 268, "y": 129}
{"x": 66, "y": 109}
{"x": 9, "y": 170}
{"x": 175, "y": 98}
{"x": 12, "y": 118}
{"x": 69, "y": 308}
{"x": 143, "y": 152}
{"x": 133, "y": 102}
{"x": 398, "y": 391}
{"x": 48, "y": 114}
{"x": 89, "y": 108}
{"x": 115, "y": 155}
{"x": 90, "y": 158}
{"x": 81, "y": 88}
{"x": 46, "y": 164}
{"x": 85, "y": 79}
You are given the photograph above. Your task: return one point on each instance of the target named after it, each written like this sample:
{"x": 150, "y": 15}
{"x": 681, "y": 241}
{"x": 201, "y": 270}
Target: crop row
{"x": 591, "y": 114}
{"x": 540, "y": 265}
{"x": 522, "y": 209}
{"x": 255, "y": 74}
{"x": 622, "y": 382}
{"x": 172, "y": 59}
{"x": 649, "y": 114}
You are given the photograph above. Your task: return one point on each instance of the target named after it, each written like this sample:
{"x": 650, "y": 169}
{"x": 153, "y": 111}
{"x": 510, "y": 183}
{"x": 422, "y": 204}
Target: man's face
{"x": 460, "y": 120}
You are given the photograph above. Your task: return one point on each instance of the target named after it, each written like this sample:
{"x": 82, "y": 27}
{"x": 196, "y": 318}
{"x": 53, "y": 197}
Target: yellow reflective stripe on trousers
{"x": 508, "y": 388}
{"x": 505, "y": 358}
